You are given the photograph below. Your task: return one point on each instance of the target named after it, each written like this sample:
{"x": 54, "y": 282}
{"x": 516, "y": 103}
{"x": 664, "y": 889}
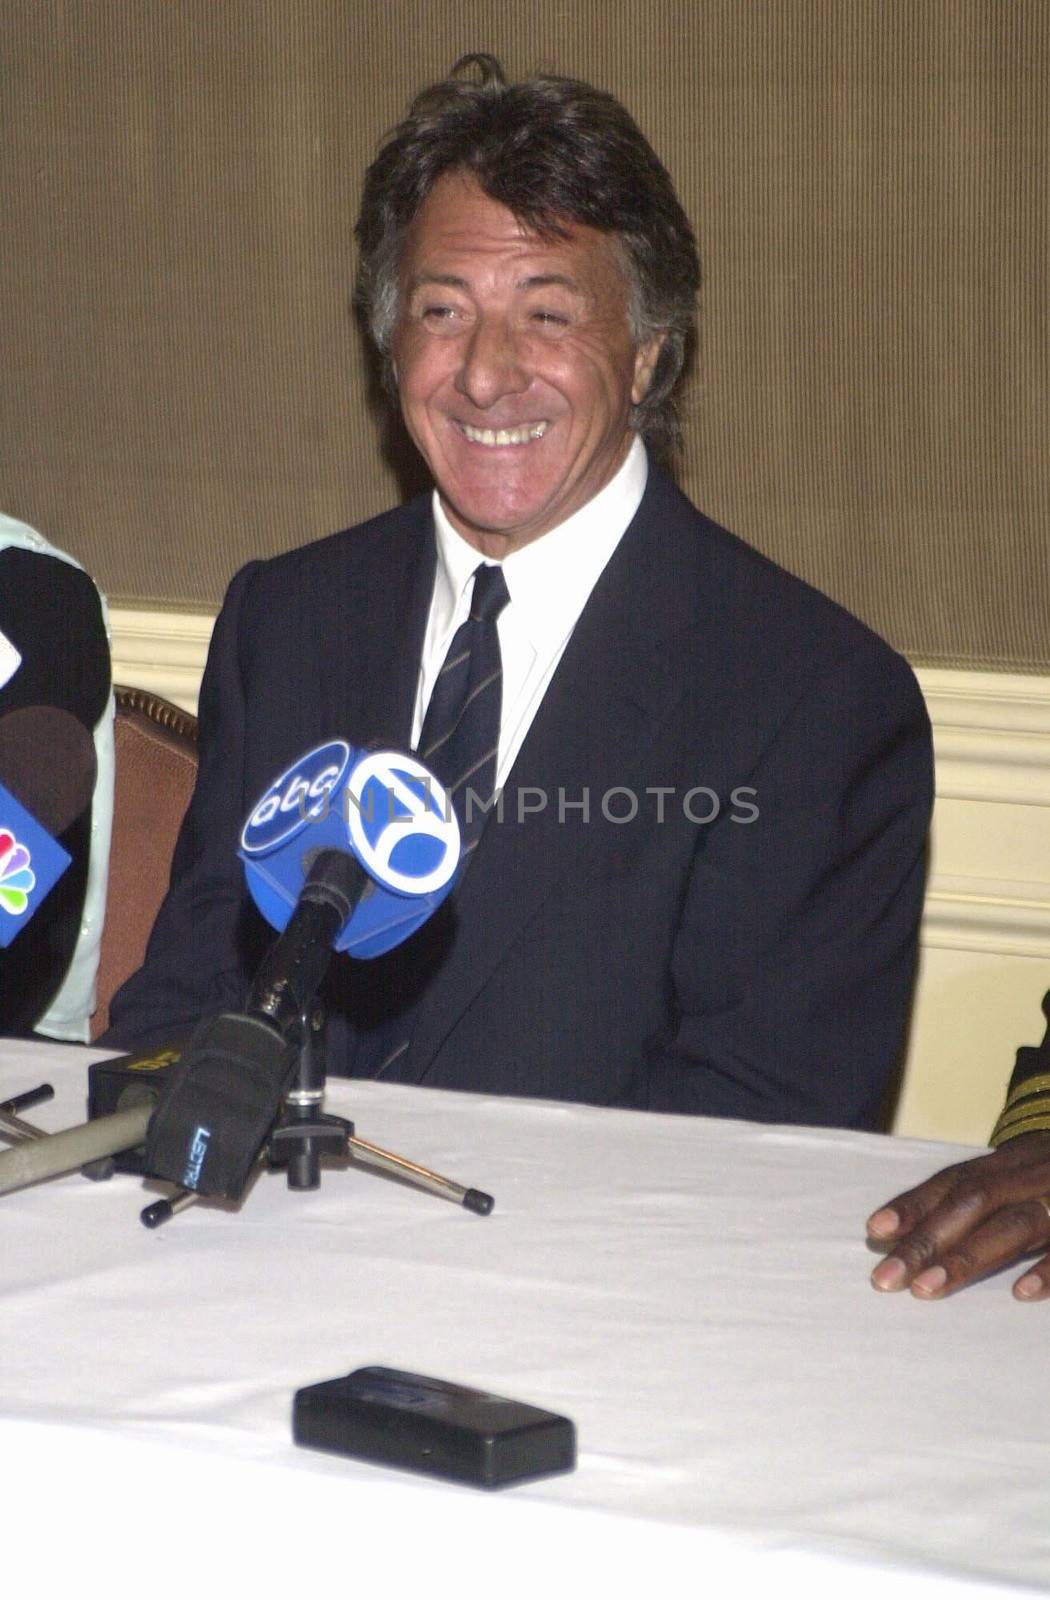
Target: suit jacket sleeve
{"x": 796, "y": 948}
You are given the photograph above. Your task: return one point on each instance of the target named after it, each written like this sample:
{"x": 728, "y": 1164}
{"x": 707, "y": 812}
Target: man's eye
{"x": 439, "y": 315}
{"x": 550, "y": 319}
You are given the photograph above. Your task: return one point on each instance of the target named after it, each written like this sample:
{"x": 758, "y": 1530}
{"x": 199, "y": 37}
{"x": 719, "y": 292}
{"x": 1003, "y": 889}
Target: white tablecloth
{"x": 692, "y": 1293}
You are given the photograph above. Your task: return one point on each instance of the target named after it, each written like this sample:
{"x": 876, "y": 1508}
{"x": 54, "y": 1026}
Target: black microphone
{"x": 47, "y": 778}
{"x": 221, "y": 1098}
{"x": 291, "y": 974}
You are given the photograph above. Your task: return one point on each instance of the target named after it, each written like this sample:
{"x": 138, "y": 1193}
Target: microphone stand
{"x": 280, "y": 1033}
{"x": 303, "y": 1133}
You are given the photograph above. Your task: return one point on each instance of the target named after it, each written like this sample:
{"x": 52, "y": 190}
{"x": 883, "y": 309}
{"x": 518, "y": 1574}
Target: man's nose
{"x": 493, "y": 364}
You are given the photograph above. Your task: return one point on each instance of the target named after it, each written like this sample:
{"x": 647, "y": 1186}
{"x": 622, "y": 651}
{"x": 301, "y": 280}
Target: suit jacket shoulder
{"x": 365, "y": 554}
{"x": 741, "y": 591}
{"x": 706, "y": 616}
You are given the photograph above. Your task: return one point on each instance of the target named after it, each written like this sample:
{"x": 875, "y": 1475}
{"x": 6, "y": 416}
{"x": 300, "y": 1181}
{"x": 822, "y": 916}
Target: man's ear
{"x": 645, "y": 359}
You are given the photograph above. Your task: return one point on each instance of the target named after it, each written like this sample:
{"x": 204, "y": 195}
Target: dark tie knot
{"x": 490, "y": 594}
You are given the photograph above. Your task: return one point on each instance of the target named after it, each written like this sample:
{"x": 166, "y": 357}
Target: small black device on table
{"x": 404, "y": 1419}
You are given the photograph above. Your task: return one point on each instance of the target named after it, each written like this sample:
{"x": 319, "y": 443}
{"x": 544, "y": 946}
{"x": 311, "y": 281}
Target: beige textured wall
{"x": 183, "y": 385}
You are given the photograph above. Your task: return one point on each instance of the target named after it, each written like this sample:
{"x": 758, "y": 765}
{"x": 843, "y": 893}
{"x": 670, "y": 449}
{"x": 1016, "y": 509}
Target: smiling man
{"x": 694, "y": 791}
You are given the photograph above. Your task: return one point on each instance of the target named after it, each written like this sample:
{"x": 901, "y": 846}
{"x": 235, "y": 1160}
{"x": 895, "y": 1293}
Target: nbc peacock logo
{"x": 17, "y": 878}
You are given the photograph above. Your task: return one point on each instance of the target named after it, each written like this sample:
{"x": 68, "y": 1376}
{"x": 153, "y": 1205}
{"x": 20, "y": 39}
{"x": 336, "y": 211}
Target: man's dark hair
{"x": 553, "y": 151}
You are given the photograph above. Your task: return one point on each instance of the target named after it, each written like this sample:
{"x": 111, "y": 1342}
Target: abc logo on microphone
{"x": 381, "y": 806}
{"x": 300, "y": 796}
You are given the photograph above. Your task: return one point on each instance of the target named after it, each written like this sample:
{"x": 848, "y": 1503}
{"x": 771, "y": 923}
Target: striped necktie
{"x": 459, "y": 743}
{"x": 460, "y": 737}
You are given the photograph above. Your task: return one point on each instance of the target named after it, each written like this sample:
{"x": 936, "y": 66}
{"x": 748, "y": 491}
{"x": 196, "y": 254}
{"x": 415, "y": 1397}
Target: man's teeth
{"x": 502, "y": 436}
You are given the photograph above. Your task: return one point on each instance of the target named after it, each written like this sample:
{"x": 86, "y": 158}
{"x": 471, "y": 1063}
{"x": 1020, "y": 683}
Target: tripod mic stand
{"x": 124, "y": 1095}
{"x": 303, "y": 1133}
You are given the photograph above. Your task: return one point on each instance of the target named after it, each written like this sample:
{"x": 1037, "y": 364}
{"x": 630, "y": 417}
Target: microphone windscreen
{"x": 218, "y": 1104}
{"x": 47, "y": 761}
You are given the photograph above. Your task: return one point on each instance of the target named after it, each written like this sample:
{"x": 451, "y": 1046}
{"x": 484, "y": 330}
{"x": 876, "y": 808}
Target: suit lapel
{"x": 373, "y": 696}
{"x": 614, "y": 689}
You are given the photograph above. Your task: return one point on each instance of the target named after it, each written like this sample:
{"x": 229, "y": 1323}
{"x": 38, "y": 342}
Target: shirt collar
{"x": 550, "y": 579}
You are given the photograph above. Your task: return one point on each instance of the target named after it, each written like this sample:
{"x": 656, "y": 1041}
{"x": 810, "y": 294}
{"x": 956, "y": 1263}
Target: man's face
{"x": 515, "y": 364}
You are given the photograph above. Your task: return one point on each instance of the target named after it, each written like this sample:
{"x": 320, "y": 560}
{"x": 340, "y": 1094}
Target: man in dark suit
{"x": 701, "y": 888}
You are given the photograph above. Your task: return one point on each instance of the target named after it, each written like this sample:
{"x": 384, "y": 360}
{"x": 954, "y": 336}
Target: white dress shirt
{"x": 549, "y": 582}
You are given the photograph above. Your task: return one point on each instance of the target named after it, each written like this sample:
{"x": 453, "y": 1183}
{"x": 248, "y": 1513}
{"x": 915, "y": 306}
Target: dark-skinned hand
{"x": 968, "y": 1221}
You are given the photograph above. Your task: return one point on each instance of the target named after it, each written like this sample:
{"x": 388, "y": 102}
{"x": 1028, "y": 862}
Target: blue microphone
{"x": 347, "y": 850}
{"x": 47, "y": 774}
{"x": 384, "y": 808}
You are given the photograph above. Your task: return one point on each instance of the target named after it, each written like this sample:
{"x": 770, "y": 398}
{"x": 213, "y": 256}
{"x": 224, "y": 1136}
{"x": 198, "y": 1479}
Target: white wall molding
{"x": 982, "y": 914}
{"x": 989, "y": 889}
{"x": 162, "y": 651}
{"x": 991, "y": 735}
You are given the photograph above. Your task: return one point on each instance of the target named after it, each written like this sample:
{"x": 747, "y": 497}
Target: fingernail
{"x": 890, "y": 1274}
{"x": 884, "y": 1223}
{"x": 931, "y": 1281}
{"x": 1028, "y": 1287}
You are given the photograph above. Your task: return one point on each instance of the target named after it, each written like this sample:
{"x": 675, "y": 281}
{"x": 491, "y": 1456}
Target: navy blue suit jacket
{"x": 754, "y": 968}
